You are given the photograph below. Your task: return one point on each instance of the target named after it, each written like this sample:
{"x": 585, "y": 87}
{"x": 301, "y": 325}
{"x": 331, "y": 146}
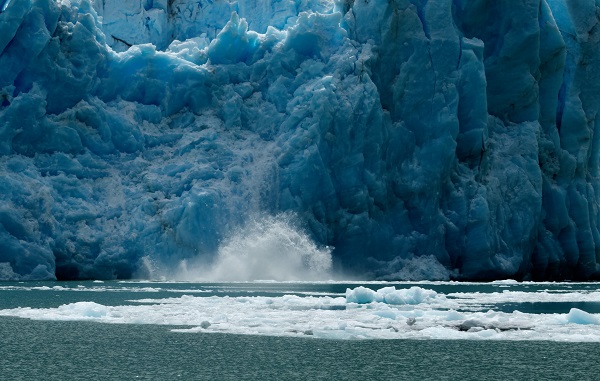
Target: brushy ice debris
{"x": 420, "y": 139}
{"x": 7, "y": 273}
{"x": 425, "y": 267}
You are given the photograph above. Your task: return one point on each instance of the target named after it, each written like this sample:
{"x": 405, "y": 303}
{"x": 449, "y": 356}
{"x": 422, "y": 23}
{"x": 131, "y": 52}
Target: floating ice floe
{"x": 387, "y": 313}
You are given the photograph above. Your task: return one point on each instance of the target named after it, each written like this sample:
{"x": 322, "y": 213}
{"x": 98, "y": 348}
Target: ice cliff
{"x": 420, "y": 139}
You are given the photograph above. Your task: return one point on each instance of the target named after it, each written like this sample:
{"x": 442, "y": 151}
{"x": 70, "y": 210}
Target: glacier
{"x": 411, "y": 139}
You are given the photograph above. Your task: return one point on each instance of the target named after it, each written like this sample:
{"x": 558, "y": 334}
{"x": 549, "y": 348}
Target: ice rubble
{"x": 389, "y": 295}
{"x": 420, "y": 139}
{"x": 332, "y": 317}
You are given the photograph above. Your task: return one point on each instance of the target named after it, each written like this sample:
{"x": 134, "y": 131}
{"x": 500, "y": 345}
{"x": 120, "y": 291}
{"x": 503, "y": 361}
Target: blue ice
{"x": 418, "y": 139}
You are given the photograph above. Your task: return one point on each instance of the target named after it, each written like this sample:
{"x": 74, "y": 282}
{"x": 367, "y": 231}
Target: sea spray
{"x": 266, "y": 248}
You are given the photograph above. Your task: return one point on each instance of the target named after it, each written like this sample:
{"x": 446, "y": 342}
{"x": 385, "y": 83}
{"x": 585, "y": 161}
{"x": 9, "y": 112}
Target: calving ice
{"x": 387, "y": 139}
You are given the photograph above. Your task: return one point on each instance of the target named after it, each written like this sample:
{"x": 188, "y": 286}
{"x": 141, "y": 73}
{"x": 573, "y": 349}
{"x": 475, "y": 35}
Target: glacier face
{"x": 420, "y": 139}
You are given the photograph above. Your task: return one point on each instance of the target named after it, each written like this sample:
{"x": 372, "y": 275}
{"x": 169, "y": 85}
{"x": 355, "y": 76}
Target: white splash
{"x": 269, "y": 248}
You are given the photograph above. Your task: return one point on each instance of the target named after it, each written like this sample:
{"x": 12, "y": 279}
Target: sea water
{"x": 299, "y": 331}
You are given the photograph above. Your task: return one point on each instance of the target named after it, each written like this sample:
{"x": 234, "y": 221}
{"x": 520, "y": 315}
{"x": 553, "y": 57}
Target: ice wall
{"x": 420, "y": 139}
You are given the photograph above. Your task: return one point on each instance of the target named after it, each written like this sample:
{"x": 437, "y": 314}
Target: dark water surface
{"x": 50, "y": 350}
{"x": 91, "y": 350}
